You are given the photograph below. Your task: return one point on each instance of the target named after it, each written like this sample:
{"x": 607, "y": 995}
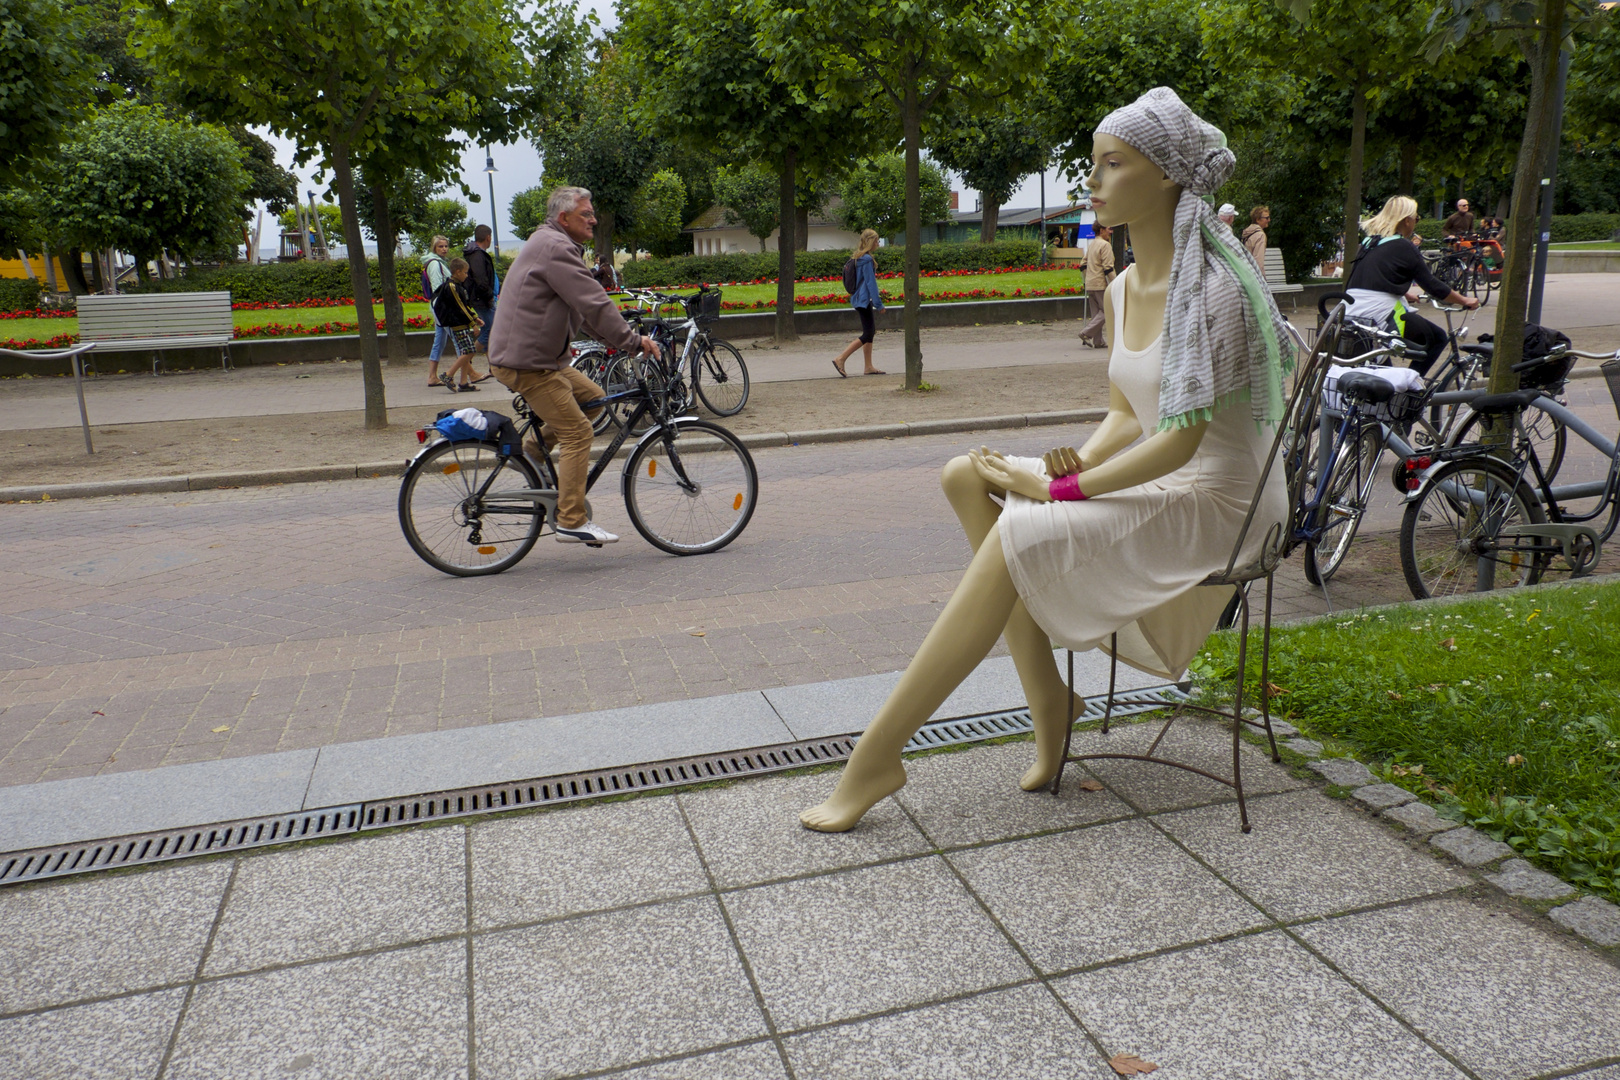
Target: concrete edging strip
{"x": 365, "y": 470}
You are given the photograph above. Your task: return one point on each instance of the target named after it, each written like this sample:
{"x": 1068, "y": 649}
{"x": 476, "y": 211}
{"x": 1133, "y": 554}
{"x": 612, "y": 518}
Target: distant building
{"x": 712, "y": 236}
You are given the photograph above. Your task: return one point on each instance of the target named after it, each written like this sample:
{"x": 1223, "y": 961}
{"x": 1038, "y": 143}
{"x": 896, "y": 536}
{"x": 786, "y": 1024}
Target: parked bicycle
{"x": 1490, "y": 517}
{"x": 477, "y": 506}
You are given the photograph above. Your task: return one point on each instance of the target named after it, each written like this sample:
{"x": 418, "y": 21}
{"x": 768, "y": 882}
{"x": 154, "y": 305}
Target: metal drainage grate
{"x": 676, "y": 772}
{"x": 145, "y": 848}
{"x": 153, "y": 847}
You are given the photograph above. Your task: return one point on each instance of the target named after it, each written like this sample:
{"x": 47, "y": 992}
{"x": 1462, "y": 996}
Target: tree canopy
{"x": 874, "y": 195}
{"x": 44, "y": 82}
{"x": 993, "y": 154}
{"x": 749, "y": 195}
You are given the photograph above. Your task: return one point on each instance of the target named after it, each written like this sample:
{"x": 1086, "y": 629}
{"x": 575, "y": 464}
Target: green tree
{"x": 875, "y": 195}
{"x": 1592, "y": 104}
{"x": 331, "y": 222}
{"x": 993, "y": 154}
{"x": 133, "y": 179}
{"x": 527, "y": 211}
{"x": 442, "y": 216}
{"x": 917, "y": 55}
{"x": 329, "y": 76}
{"x": 656, "y": 209}
{"x": 20, "y": 225}
{"x": 44, "y": 81}
{"x": 706, "y": 82}
{"x": 749, "y": 195}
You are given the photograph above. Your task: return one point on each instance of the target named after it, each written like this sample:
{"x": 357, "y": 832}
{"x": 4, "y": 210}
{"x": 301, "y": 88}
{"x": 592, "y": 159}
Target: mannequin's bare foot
{"x": 858, "y": 791}
{"x": 1049, "y": 732}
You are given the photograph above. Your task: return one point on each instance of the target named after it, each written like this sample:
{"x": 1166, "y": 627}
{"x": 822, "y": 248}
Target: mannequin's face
{"x": 1126, "y": 186}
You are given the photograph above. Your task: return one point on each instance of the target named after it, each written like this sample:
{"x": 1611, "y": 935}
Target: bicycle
{"x": 475, "y": 507}
{"x": 1477, "y": 522}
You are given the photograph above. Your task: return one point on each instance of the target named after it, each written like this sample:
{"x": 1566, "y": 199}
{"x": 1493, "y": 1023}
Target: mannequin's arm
{"x": 1160, "y": 455}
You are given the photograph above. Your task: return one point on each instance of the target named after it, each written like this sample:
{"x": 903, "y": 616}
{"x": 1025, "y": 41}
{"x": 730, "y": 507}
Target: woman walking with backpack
{"x": 860, "y": 280}
{"x": 435, "y": 272}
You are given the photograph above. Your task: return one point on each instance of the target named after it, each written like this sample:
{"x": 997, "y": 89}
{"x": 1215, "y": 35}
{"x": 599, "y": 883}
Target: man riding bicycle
{"x": 547, "y": 294}
{"x": 1382, "y": 281}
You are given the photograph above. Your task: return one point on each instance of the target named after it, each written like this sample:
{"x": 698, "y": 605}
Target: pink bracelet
{"x": 1066, "y": 488}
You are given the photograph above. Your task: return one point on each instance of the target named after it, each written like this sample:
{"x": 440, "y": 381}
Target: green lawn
{"x": 1005, "y": 283}
{"x": 23, "y": 329}
{"x": 1605, "y": 245}
{"x": 1503, "y": 711}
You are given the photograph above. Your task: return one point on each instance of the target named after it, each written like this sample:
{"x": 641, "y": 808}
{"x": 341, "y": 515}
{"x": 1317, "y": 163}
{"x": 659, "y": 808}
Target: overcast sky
{"x": 517, "y": 166}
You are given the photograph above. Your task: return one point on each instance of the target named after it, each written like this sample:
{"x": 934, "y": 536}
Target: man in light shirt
{"x": 1099, "y": 272}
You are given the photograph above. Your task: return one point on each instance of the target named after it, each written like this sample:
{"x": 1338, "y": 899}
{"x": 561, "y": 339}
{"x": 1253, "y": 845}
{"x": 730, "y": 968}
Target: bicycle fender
{"x": 651, "y": 434}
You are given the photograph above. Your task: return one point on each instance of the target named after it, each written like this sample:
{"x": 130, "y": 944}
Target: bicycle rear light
{"x": 421, "y": 435}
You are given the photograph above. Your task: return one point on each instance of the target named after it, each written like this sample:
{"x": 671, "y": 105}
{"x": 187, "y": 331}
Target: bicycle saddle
{"x": 1491, "y": 404}
{"x": 1484, "y": 348}
{"x": 1360, "y": 386}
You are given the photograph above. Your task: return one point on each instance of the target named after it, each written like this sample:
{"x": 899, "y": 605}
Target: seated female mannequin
{"x": 1132, "y": 529}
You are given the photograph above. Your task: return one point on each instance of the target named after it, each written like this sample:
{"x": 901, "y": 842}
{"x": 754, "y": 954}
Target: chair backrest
{"x": 1286, "y": 445}
{"x": 154, "y": 315}
{"x": 1276, "y": 274}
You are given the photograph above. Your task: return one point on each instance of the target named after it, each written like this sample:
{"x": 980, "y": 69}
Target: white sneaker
{"x": 588, "y": 533}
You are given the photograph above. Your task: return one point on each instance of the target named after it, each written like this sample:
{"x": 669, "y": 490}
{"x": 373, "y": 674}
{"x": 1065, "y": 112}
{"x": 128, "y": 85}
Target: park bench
{"x": 1276, "y": 279}
{"x": 159, "y": 321}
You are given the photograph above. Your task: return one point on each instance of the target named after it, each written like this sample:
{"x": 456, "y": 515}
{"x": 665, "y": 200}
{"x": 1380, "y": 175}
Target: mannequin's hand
{"x": 998, "y": 471}
{"x": 1064, "y": 461}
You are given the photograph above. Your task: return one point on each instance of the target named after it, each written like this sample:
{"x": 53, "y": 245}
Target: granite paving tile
{"x": 1156, "y": 788}
{"x": 312, "y": 901}
{"x": 871, "y": 952}
{"x": 70, "y": 940}
{"x": 972, "y": 796}
{"x": 1308, "y": 855}
{"x": 122, "y": 1039}
{"x": 1255, "y": 1008}
{"x": 577, "y": 859}
{"x": 1477, "y": 980}
{"x": 1017, "y": 1034}
{"x": 1102, "y": 893}
{"x": 749, "y": 831}
{"x": 608, "y": 991}
{"x": 400, "y": 1014}
{"x": 759, "y": 1061}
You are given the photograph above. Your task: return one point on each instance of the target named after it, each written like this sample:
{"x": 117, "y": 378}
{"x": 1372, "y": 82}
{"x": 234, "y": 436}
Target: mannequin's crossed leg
{"x": 984, "y": 606}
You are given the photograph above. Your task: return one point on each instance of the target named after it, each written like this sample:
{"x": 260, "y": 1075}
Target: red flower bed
{"x": 827, "y": 299}
{"x": 60, "y": 341}
{"x": 1031, "y": 268}
{"x": 319, "y": 302}
{"x": 274, "y": 330}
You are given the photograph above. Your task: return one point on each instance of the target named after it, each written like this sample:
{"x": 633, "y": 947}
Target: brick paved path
{"x": 296, "y": 617}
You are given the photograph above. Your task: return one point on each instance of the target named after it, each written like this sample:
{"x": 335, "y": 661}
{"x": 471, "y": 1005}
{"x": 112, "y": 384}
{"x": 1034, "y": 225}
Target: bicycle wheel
{"x": 595, "y": 364}
{"x": 720, "y": 378}
{"x": 1545, "y": 432}
{"x": 451, "y": 526}
{"x": 1343, "y": 505}
{"x": 706, "y": 510}
{"x": 1450, "y": 534}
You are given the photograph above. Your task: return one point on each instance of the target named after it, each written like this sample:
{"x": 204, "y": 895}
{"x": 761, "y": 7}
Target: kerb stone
{"x": 1598, "y": 921}
{"x": 1519, "y": 878}
{"x": 1304, "y": 747}
{"x": 1345, "y": 772}
{"x": 1470, "y": 847}
{"x": 1382, "y": 796}
{"x": 1420, "y": 818}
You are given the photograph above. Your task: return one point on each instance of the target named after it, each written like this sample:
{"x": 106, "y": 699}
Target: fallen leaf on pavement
{"x": 1090, "y": 785}
{"x": 222, "y": 727}
{"x": 1130, "y": 1065}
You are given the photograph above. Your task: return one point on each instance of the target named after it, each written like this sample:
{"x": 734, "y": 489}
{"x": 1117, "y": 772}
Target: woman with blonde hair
{"x": 1384, "y": 277}
{"x": 865, "y": 299}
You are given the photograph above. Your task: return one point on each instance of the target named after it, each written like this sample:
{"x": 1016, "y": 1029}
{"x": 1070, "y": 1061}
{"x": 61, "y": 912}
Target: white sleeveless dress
{"x": 1130, "y": 561}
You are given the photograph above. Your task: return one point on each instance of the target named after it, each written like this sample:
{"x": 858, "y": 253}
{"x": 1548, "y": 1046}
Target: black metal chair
{"x": 1290, "y": 444}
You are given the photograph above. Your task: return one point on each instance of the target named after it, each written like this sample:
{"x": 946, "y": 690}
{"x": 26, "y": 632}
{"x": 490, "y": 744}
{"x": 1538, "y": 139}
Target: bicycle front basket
{"x": 1402, "y": 407}
{"x": 704, "y": 307}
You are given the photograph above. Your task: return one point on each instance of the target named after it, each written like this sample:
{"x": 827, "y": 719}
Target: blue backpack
{"x": 501, "y": 430}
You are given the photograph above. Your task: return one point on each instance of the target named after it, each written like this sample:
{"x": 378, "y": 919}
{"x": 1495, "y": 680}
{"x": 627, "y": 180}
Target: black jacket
{"x": 451, "y": 306}
{"x": 480, "y": 276}
{"x": 1391, "y": 265}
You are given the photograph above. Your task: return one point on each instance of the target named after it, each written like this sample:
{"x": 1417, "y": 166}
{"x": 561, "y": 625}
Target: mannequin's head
{"x": 1126, "y": 187}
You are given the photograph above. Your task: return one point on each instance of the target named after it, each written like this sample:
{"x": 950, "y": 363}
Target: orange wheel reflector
{"x": 652, "y": 468}
{"x": 736, "y": 504}
{"x": 451, "y": 469}
{"x": 487, "y": 549}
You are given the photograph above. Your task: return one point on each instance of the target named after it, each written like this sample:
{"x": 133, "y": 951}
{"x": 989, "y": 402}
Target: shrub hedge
{"x": 752, "y": 266}
{"x": 19, "y": 294}
{"x": 1566, "y": 228}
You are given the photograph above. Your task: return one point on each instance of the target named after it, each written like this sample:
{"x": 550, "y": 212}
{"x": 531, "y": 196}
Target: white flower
{"x": 1465, "y": 682}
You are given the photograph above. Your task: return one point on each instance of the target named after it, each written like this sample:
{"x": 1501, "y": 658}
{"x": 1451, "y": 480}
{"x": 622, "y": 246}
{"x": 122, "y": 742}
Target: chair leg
{"x": 1265, "y": 672}
{"x": 1113, "y": 673}
{"x": 1068, "y": 732}
{"x": 1237, "y": 712}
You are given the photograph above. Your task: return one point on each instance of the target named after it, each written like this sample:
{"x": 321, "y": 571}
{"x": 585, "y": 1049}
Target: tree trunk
{"x": 801, "y": 229}
{"x": 73, "y": 267}
{"x": 786, "y": 248}
{"x": 360, "y": 282}
{"x": 1408, "y": 167}
{"x": 1521, "y": 231}
{"x": 911, "y": 121}
{"x": 987, "y": 227}
{"x": 1504, "y": 205}
{"x": 50, "y": 268}
{"x": 1352, "y": 188}
{"x": 393, "y": 311}
{"x": 602, "y": 239}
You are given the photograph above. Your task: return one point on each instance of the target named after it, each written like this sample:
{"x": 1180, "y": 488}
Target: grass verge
{"x": 1502, "y": 711}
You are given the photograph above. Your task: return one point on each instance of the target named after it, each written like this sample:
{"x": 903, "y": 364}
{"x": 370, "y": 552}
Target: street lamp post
{"x": 494, "y": 229}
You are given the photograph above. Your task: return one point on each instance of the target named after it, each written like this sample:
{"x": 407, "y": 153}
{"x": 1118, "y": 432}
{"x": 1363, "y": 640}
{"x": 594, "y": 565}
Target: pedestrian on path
{"x": 1099, "y": 272}
{"x": 1254, "y": 237}
{"x": 550, "y": 293}
{"x": 453, "y": 310}
{"x": 435, "y": 272}
{"x": 867, "y": 302}
{"x": 1228, "y": 215}
{"x": 607, "y": 274}
{"x": 483, "y": 287}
